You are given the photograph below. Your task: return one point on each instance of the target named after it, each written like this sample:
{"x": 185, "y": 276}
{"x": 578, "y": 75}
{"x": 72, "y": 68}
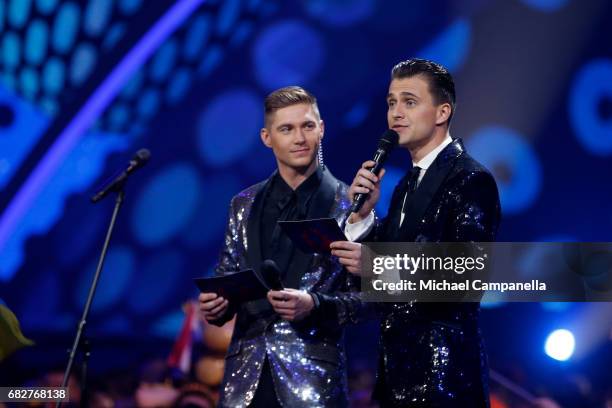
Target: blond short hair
{"x": 288, "y": 96}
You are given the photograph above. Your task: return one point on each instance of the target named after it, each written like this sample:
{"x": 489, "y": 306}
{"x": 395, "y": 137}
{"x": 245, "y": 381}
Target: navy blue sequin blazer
{"x": 431, "y": 354}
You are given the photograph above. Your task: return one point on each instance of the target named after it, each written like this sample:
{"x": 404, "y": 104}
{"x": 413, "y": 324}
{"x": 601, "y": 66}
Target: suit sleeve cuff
{"x": 315, "y": 299}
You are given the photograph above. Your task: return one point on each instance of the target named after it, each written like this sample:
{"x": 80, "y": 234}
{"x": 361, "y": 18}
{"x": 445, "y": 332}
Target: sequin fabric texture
{"x": 307, "y": 357}
{"x": 431, "y": 354}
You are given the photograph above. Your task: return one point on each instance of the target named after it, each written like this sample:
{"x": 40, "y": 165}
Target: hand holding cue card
{"x": 237, "y": 288}
{"x": 313, "y": 236}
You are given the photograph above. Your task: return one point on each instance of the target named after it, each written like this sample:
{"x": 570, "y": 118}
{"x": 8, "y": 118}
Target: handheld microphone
{"x": 271, "y": 275}
{"x": 140, "y": 159}
{"x": 387, "y": 142}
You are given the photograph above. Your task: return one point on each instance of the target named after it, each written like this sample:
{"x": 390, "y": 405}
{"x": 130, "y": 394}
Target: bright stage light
{"x": 560, "y": 344}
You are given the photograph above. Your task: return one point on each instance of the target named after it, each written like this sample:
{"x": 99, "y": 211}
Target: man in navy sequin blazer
{"x": 431, "y": 354}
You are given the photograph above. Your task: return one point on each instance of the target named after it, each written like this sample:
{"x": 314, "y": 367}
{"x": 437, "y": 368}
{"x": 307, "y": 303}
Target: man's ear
{"x": 444, "y": 112}
{"x": 265, "y": 137}
{"x": 322, "y": 125}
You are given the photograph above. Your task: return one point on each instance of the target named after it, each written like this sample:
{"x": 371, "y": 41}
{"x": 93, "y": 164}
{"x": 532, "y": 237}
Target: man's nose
{"x": 397, "y": 113}
{"x": 300, "y": 138}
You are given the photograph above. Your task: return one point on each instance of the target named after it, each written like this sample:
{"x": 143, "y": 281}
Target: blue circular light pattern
{"x": 593, "y": 83}
{"x": 118, "y": 116}
{"x": 222, "y": 137}
{"x": 161, "y": 276}
{"x": 36, "y": 42}
{"x": 178, "y": 86}
{"x": 53, "y": 75}
{"x": 9, "y": 81}
{"x": 114, "y": 35}
{"x": 279, "y": 54}
{"x": 545, "y": 5}
{"x": 129, "y": 6}
{"x": 356, "y": 115}
{"x": 560, "y": 344}
{"x": 450, "y": 48}
{"x": 49, "y": 105}
{"x": 18, "y": 12}
{"x": 556, "y": 306}
{"x": 531, "y": 260}
{"x": 46, "y": 6}
{"x": 528, "y": 265}
{"x": 241, "y": 33}
{"x": 227, "y": 16}
{"x": 392, "y": 176}
{"x": 490, "y": 302}
{"x": 96, "y": 16}
{"x": 340, "y": 13}
{"x": 29, "y": 82}
{"x": 114, "y": 279}
{"x": 208, "y": 224}
{"x": 11, "y": 50}
{"x": 196, "y": 37}
{"x": 163, "y": 61}
{"x": 83, "y": 61}
{"x": 496, "y": 146}
{"x": 169, "y": 325}
{"x": 65, "y": 27}
{"x": 166, "y": 204}
{"x": 149, "y": 102}
{"x": 211, "y": 60}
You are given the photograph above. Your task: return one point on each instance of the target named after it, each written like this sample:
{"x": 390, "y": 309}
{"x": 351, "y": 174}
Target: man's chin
{"x": 302, "y": 165}
{"x": 406, "y": 142}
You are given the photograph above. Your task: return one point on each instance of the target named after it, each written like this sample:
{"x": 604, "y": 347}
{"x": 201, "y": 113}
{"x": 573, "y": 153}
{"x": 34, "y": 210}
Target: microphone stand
{"x": 79, "y": 340}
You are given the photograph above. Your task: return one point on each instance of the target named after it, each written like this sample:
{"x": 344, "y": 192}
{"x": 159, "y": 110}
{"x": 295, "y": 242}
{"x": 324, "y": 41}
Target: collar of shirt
{"x": 281, "y": 192}
{"x": 424, "y": 164}
{"x": 426, "y": 161}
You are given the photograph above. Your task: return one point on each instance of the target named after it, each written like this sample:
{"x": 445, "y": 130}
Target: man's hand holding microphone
{"x": 364, "y": 193}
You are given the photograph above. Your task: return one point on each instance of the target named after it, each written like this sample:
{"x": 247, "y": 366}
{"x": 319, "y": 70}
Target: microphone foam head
{"x": 142, "y": 156}
{"x": 388, "y": 140}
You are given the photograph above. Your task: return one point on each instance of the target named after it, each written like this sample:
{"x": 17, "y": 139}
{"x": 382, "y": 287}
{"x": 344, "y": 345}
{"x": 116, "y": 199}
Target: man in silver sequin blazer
{"x": 286, "y": 350}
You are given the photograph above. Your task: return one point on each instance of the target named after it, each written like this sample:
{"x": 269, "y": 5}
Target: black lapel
{"x": 320, "y": 207}
{"x": 324, "y": 198}
{"x": 254, "y": 225}
{"x": 422, "y": 197}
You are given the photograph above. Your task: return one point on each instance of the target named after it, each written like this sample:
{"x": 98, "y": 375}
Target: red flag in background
{"x": 180, "y": 357}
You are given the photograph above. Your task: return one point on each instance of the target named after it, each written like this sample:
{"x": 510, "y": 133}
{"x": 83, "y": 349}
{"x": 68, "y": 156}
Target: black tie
{"x": 413, "y": 180}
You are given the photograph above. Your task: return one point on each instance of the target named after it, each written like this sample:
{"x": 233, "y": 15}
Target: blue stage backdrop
{"x": 84, "y": 84}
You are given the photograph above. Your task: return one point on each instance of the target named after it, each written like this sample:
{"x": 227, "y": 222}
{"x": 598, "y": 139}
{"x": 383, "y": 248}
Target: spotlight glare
{"x": 560, "y": 344}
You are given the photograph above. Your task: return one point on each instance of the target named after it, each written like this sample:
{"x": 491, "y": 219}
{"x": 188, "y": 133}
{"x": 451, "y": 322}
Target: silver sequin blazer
{"x": 307, "y": 358}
